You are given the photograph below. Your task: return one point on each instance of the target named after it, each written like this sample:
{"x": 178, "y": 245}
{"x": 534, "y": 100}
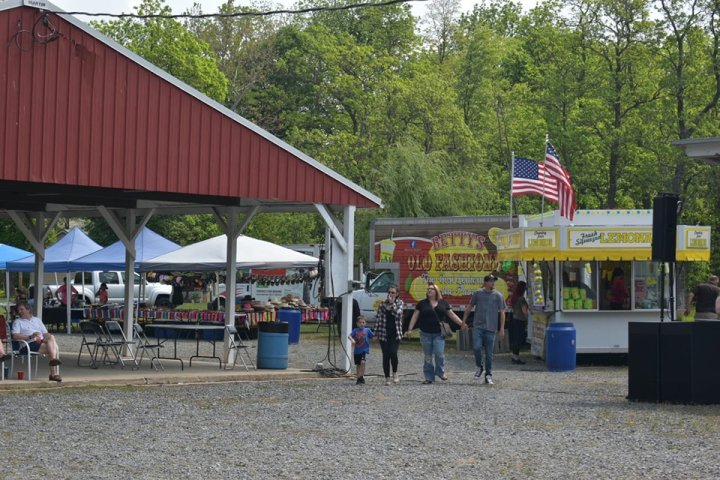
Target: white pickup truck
{"x": 369, "y": 299}
{"x": 157, "y": 294}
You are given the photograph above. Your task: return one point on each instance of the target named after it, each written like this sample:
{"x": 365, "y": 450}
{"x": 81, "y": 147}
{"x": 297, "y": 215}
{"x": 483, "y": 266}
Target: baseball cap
{"x": 489, "y": 278}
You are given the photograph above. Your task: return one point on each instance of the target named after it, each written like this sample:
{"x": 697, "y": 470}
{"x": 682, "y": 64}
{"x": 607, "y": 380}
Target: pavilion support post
{"x": 127, "y": 233}
{"x": 229, "y": 221}
{"x": 340, "y": 238}
{"x": 36, "y": 233}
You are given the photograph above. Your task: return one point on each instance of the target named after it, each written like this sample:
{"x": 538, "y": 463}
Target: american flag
{"x": 566, "y": 194}
{"x": 528, "y": 176}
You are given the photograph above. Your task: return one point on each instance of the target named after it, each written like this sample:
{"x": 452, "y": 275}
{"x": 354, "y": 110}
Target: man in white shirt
{"x": 32, "y": 330}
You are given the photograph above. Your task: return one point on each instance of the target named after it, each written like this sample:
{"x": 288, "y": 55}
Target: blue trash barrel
{"x": 272, "y": 346}
{"x": 292, "y": 317}
{"x": 560, "y": 347}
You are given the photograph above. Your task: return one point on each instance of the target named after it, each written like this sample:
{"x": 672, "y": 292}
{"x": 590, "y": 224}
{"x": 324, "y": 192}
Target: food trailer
{"x": 596, "y": 272}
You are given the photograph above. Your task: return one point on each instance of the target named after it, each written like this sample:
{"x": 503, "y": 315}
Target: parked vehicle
{"x": 453, "y": 252}
{"x": 88, "y": 283}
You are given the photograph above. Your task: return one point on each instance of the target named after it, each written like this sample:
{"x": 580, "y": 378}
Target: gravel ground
{"x": 531, "y": 424}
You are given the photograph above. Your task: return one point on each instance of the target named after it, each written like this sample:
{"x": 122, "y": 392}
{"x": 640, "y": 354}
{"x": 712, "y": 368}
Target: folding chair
{"x": 14, "y": 347}
{"x": 93, "y": 339}
{"x": 117, "y": 341}
{"x": 237, "y": 345}
{"x": 144, "y": 344}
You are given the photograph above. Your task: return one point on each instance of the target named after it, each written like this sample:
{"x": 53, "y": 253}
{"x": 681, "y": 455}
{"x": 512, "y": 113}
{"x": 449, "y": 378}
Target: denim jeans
{"x": 433, "y": 345}
{"x": 483, "y": 339}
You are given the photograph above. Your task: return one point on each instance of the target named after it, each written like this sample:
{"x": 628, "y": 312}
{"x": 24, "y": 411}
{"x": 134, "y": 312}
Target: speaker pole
{"x": 662, "y": 292}
{"x": 671, "y": 303}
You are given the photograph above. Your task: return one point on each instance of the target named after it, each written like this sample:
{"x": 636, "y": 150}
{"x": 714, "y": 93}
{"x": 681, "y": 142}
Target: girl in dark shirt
{"x": 431, "y": 311}
{"x": 388, "y": 329}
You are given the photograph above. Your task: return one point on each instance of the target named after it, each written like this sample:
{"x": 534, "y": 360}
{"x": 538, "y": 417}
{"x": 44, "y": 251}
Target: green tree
{"x": 167, "y": 44}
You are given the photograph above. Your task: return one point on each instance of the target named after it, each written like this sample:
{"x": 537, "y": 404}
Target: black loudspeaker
{"x": 705, "y": 378}
{"x": 676, "y": 362}
{"x": 644, "y": 362}
{"x": 664, "y": 229}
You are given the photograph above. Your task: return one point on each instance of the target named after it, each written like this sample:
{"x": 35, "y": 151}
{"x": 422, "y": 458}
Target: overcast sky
{"x": 208, "y": 6}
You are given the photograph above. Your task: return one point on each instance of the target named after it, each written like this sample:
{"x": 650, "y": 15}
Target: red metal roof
{"x": 84, "y": 111}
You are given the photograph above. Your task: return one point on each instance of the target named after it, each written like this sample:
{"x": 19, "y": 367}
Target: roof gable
{"x": 82, "y": 110}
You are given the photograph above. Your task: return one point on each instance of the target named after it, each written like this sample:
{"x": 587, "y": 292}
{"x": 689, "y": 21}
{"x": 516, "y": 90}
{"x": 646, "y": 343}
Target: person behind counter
{"x": 618, "y": 292}
{"x": 62, "y": 294}
{"x": 102, "y": 294}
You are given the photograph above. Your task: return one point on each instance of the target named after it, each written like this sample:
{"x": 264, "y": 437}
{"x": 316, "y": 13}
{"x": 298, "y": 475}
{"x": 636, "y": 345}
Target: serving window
{"x": 579, "y": 286}
{"x": 646, "y": 286}
{"x": 611, "y": 285}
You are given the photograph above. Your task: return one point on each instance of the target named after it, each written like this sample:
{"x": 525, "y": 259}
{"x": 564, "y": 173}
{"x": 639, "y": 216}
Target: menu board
{"x": 539, "y": 324}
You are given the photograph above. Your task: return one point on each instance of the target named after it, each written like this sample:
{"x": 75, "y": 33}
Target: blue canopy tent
{"x": 7, "y": 254}
{"x": 75, "y": 244}
{"x": 148, "y": 244}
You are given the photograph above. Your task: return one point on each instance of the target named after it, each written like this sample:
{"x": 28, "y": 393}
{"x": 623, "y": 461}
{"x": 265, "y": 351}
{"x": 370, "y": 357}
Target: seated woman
{"x": 31, "y": 329}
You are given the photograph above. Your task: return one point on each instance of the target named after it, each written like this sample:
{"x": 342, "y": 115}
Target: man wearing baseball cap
{"x": 489, "y": 320}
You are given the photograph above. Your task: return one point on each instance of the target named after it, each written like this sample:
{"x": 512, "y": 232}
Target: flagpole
{"x": 542, "y": 201}
{"x": 512, "y": 175}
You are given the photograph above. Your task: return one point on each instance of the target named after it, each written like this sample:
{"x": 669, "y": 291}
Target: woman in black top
{"x": 388, "y": 329}
{"x": 431, "y": 311}
{"x": 518, "y": 321}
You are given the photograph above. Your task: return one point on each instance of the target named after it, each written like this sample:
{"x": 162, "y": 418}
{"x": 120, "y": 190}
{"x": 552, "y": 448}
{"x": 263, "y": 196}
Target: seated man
{"x": 31, "y": 329}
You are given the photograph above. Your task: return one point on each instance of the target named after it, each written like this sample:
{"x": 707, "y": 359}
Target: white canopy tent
{"x": 211, "y": 254}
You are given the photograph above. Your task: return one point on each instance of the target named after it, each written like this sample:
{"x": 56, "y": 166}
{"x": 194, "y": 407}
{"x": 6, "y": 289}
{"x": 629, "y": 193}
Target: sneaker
{"x": 360, "y": 381}
{"x": 396, "y": 378}
{"x": 387, "y": 381}
{"x": 479, "y": 371}
{"x": 517, "y": 361}
{"x": 489, "y": 380}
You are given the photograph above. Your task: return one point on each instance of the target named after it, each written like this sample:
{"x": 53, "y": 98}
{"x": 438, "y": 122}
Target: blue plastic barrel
{"x": 561, "y": 347}
{"x": 272, "y": 346}
{"x": 292, "y": 317}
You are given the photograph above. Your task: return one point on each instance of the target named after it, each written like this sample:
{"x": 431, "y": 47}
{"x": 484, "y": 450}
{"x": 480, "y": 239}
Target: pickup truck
{"x": 157, "y": 294}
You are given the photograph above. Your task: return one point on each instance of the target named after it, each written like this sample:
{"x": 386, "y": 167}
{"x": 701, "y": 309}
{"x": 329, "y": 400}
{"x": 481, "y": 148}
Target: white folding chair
{"x": 237, "y": 346}
{"x": 14, "y": 348}
{"x": 143, "y": 344}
